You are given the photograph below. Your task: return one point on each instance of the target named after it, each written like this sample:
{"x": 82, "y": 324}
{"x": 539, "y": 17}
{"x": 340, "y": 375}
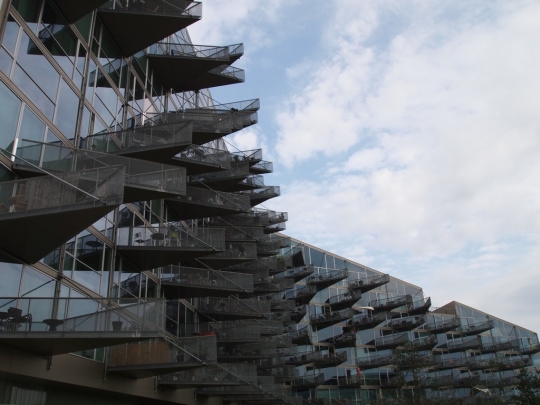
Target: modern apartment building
{"x": 138, "y": 265}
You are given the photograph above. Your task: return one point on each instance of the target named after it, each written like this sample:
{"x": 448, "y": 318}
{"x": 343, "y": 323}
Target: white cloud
{"x": 430, "y": 122}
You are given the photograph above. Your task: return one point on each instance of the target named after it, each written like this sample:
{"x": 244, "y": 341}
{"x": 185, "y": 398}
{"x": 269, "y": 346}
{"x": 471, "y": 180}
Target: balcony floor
{"x": 150, "y": 257}
{"x": 126, "y": 28}
{"x": 54, "y": 343}
{"x": 151, "y": 370}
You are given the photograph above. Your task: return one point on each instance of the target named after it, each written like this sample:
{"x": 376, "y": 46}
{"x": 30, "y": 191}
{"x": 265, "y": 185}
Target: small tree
{"x": 529, "y": 387}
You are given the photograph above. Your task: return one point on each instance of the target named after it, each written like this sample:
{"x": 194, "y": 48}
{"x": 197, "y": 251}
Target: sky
{"x": 405, "y": 135}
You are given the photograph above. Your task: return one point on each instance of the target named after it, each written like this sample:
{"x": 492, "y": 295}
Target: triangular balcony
{"x": 444, "y": 325}
{"x": 143, "y": 181}
{"x": 391, "y": 341}
{"x": 160, "y": 356}
{"x": 159, "y": 18}
{"x": 263, "y": 167}
{"x": 370, "y": 283}
{"x": 178, "y": 64}
{"x": 52, "y": 326}
{"x": 308, "y": 381}
{"x": 461, "y": 345}
{"x": 234, "y": 253}
{"x": 345, "y": 339}
{"x": 301, "y": 295}
{"x": 242, "y": 233}
{"x": 272, "y": 286}
{"x": 297, "y": 273}
{"x": 259, "y": 195}
{"x": 345, "y": 300}
{"x": 366, "y": 320}
{"x": 225, "y": 309}
{"x": 187, "y": 282}
{"x": 149, "y": 247}
{"x": 158, "y": 143}
{"x": 39, "y": 214}
{"x": 275, "y": 228}
{"x": 390, "y": 303}
{"x": 255, "y": 386}
{"x": 476, "y": 328}
{"x": 201, "y": 159}
{"x": 418, "y": 306}
{"x": 494, "y": 346}
{"x": 202, "y": 203}
{"x": 424, "y": 343}
{"x": 408, "y": 323}
{"x": 301, "y": 336}
{"x": 268, "y": 247}
{"x": 253, "y": 157}
{"x": 211, "y": 376}
{"x": 246, "y": 352}
{"x": 75, "y": 10}
{"x": 326, "y": 279}
{"x": 530, "y": 349}
{"x": 376, "y": 360}
{"x": 227, "y": 180}
{"x": 320, "y": 321}
{"x": 251, "y": 218}
{"x": 223, "y": 75}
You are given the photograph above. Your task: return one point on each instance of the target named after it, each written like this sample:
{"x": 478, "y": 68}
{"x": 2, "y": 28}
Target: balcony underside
{"x": 151, "y": 370}
{"x": 206, "y": 80}
{"x": 156, "y": 153}
{"x": 421, "y": 310}
{"x": 321, "y": 282}
{"x": 178, "y": 72}
{"x": 196, "y": 167}
{"x": 230, "y": 316}
{"x": 256, "y": 199}
{"x": 199, "y": 384}
{"x": 196, "y": 209}
{"x": 191, "y": 291}
{"x": 343, "y": 304}
{"x": 133, "y": 31}
{"x": 132, "y": 192}
{"x": 31, "y": 237}
{"x": 54, "y": 343}
{"x": 229, "y": 184}
{"x": 217, "y": 263}
{"x": 326, "y": 324}
{"x": 150, "y": 257}
{"x": 75, "y": 10}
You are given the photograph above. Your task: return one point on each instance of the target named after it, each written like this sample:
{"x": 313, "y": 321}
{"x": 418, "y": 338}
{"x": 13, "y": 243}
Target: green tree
{"x": 529, "y": 387}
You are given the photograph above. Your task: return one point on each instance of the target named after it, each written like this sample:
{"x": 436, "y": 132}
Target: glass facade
{"x": 132, "y": 244}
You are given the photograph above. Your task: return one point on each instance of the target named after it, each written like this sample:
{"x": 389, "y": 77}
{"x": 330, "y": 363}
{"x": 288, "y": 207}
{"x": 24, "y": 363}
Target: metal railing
{"x": 309, "y": 380}
{"x": 298, "y": 272}
{"x": 184, "y": 350}
{"x": 236, "y": 250}
{"x": 255, "y": 218}
{"x": 303, "y": 292}
{"x": 328, "y": 276}
{"x": 391, "y": 302}
{"x": 63, "y": 192}
{"x": 249, "y": 350}
{"x": 372, "y": 282}
{"x": 146, "y": 137}
{"x": 187, "y": 50}
{"x": 443, "y": 325}
{"x": 362, "y": 321}
{"x": 171, "y": 236}
{"x": 205, "y": 155}
{"x": 230, "y": 72}
{"x": 410, "y": 322}
{"x": 139, "y": 173}
{"x": 211, "y": 375}
{"x": 464, "y": 344}
{"x": 275, "y": 285}
{"x": 475, "y": 328}
{"x": 244, "y": 233}
{"x": 263, "y": 166}
{"x": 233, "y": 306}
{"x": 198, "y": 120}
{"x": 332, "y": 317}
{"x": 348, "y": 296}
{"x": 197, "y": 195}
{"x": 342, "y": 339}
{"x": 397, "y": 339}
{"x": 376, "y": 361}
{"x": 179, "y": 8}
{"x": 87, "y": 317}
{"x": 201, "y": 278}
{"x": 263, "y": 192}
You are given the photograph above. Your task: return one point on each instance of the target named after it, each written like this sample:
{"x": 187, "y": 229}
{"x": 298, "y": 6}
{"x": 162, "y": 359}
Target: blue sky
{"x": 405, "y": 135}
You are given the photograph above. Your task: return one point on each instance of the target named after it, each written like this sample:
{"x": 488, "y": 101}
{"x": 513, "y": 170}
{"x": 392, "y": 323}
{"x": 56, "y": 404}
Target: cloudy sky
{"x": 405, "y": 135}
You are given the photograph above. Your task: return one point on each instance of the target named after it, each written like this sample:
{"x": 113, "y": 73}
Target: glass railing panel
{"x": 205, "y": 155}
{"x": 345, "y": 297}
{"x": 180, "y": 8}
{"x": 327, "y": 276}
{"x": 230, "y": 72}
{"x": 265, "y": 192}
{"x": 237, "y": 170}
{"x": 264, "y": 166}
{"x": 139, "y": 173}
{"x": 146, "y": 137}
{"x": 188, "y": 276}
{"x": 398, "y": 338}
{"x": 65, "y": 317}
{"x": 65, "y": 191}
{"x": 171, "y": 236}
{"x": 374, "y": 280}
{"x": 198, "y": 195}
{"x": 186, "y": 50}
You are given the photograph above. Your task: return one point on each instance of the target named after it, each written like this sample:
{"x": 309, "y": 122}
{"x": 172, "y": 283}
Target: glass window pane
{"x": 10, "y": 106}
{"x": 66, "y": 111}
{"x": 32, "y": 128}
